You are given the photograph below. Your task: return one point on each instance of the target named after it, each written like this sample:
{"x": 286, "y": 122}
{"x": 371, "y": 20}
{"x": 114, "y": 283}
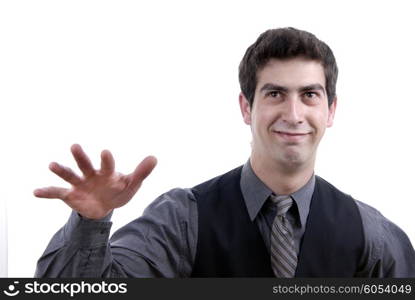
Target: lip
{"x": 291, "y": 136}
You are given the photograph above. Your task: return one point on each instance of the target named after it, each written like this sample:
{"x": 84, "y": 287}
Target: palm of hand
{"x": 98, "y": 192}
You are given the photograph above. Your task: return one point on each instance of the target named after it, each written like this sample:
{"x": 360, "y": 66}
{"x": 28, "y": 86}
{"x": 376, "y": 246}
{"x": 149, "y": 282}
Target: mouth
{"x": 291, "y": 136}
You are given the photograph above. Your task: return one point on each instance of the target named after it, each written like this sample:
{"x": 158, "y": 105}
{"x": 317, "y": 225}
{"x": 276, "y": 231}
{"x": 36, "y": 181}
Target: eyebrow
{"x": 273, "y": 87}
{"x": 276, "y": 87}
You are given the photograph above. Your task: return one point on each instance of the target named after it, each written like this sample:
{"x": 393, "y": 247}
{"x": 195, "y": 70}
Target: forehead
{"x": 292, "y": 73}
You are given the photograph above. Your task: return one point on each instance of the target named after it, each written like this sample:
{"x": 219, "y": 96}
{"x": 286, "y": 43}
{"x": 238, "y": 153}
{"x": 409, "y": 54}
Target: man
{"x": 270, "y": 217}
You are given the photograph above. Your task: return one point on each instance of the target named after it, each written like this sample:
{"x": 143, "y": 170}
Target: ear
{"x": 245, "y": 108}
{"x": 332, "y": 111}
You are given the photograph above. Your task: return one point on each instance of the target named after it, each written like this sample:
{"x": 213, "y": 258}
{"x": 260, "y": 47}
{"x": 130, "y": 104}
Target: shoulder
{"x": 388, "y": 249}
{"x": 373, "y": 226}
{"x": 175, "y": 203}
{"x": 183, "y": 200}
{"x": 231, "y": 177}
{"x": 377, "y": 227}
{"x": 331, "y": 190}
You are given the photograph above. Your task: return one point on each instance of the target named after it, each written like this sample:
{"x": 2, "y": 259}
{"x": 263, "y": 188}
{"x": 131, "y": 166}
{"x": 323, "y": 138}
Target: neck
{"x": 280, "y": 179}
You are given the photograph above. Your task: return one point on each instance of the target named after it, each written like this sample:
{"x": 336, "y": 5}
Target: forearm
{"x": 160, "y": 243}
{"x": 100, "y": 260}
{"x": 79, "y": 249}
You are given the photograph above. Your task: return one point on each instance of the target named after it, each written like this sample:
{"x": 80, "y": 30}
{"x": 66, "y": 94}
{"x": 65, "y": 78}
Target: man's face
{"x": 289, "y": 114}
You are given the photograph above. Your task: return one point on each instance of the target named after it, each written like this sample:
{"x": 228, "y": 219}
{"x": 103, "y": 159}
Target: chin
{"x": 292, "y": 160}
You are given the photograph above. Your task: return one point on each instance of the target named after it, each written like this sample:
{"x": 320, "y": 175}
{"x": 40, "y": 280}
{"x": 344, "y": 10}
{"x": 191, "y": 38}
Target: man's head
{"x": 288, "y": 97}
{"x": 285, "y": 43}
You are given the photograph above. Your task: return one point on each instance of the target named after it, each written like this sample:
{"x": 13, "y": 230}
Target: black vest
{"x": 230, "y": 244}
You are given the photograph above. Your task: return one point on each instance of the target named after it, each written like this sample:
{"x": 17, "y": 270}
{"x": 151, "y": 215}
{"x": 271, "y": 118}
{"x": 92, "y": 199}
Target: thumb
{"x": 142, "y": 170}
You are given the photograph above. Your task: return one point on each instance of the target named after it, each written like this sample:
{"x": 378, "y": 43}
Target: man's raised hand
{"x": 98, "y": 192}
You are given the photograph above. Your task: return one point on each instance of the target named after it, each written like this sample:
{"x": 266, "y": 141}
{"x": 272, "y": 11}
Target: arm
{"x": 77, "y": 249}
{"x": 160, "y": 243}
{"x": 81, "y": 248}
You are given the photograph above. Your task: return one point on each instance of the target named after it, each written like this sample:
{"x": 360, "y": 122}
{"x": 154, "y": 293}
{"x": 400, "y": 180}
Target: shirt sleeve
{"x": 160, "y": 243}
{"x": 388, "y": 251}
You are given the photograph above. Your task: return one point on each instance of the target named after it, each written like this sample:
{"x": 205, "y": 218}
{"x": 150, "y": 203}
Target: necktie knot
{"x": 283, "y": 203}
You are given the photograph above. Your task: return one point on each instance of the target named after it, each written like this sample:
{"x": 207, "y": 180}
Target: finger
{"x": 107, "y": 162}
{"x": 82, "y": 160}
{"x": 142, "y": 171}
{"x": 51, "y": 192}
{"x": 65, "y": 173}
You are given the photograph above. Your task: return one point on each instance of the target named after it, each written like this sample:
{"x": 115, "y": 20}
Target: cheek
{"x": 259, "y": 125}
{"x": 264, "y": 117}
{"x": 319, "y": 120}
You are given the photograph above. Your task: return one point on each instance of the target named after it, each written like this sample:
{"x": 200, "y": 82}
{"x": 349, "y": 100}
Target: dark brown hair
{"x": 285, "y": 43}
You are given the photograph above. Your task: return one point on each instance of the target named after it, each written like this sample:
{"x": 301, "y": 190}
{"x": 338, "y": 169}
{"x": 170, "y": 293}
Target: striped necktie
{"x": 283, "y": 254}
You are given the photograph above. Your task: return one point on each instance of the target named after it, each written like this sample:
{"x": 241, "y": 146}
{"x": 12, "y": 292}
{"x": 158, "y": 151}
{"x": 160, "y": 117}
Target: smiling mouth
{"x": 291, "y": 136}
{"x": 291, "y": 133}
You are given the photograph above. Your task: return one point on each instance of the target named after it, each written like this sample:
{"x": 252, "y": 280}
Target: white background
{"x": 161, "y": 78}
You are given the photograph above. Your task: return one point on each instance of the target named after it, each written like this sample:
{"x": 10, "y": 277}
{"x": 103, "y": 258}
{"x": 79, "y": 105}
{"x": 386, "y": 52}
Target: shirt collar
{"x": 256, "y": 193}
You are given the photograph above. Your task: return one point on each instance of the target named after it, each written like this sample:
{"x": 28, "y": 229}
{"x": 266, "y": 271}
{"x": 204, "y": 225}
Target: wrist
{"x": 102, "y": 217}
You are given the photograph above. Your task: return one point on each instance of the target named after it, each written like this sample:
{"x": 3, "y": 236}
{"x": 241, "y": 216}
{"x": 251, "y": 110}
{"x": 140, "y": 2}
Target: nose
{"x": 293, "y": 111}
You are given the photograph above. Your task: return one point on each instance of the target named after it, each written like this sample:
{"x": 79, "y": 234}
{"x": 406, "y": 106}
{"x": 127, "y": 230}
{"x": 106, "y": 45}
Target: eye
{"x": 310, "y": 94}
{"x": 274, "y": 94}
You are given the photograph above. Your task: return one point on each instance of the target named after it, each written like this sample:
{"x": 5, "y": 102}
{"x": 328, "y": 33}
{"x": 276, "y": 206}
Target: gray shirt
{"x": 162, "y": 242}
